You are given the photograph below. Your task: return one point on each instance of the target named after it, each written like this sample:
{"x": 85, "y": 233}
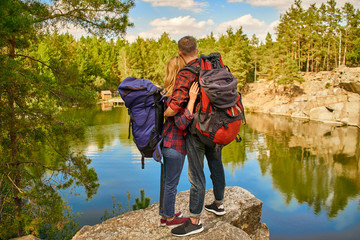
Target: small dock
{"x": 113, "y": 102}
{"x": 117, "y": 102}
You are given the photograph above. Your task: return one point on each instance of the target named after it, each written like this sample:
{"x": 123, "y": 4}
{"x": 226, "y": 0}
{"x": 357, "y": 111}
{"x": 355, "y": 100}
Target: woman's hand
{"x": 194, "y": 89}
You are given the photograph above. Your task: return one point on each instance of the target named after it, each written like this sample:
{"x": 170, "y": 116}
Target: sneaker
{"x": 176, "y": 221}
{"x": 187, "y": 228}
{"x": 218, "y": 210}
{"x": 163, "y": 220}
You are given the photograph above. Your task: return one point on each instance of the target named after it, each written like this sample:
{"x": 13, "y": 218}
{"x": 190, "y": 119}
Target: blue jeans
{"x": 196, "y": 151}
{"x": 173, "y": 165}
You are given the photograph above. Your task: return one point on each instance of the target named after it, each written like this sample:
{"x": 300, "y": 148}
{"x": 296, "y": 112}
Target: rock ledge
{"x": 242, "y": 221}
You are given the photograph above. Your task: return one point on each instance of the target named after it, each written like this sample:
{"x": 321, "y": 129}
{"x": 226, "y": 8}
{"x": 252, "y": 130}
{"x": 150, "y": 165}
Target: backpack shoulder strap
{"x": 193, "y": 69}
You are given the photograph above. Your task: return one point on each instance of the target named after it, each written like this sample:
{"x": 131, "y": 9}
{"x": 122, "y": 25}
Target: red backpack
{"x": 218, "y": 119}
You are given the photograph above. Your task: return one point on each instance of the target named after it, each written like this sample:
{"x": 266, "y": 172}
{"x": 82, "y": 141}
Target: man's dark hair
{"x": 187, "y": 45}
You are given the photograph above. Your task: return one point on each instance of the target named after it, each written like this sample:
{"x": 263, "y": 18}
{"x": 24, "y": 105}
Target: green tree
{"x": 254, "y": 48}
{"x": 290, "y": 73}
{"x": 36, "y": 158}
{"x": 311, "y": 33}
{"x": 207, "y": 45}
{"x": 165, "y": 49}
{"x": 351, "y": 35}
{"x": 122, "y": 64}
{"x": 239, "y": 57}
{"x": 235, "y": 51}
{"x": 331, "y": 17}
{"x": 269, "y": 61}
{"x": 141, "y": 56}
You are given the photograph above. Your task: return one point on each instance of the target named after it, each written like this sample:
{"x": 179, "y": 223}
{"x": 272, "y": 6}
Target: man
{"x": 196, "y": 150}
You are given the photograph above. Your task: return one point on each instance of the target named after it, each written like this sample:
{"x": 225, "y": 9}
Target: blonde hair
{"x": 172, "y": 68}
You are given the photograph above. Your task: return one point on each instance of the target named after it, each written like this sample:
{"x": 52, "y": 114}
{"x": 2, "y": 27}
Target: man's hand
{"x": 169, "y": 112}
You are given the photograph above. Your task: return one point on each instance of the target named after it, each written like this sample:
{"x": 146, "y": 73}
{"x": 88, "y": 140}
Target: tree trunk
{"x": 345, "y": 46}
{"x": 312, "y": 60}
{"x": 299, "y": 57}
{"x": 255, "y": 72}
{"x": 308, "y": 58}
{"x": 328, "y": 57}
{"x": 336, "y": 57}
{"x": 16, "y": 177}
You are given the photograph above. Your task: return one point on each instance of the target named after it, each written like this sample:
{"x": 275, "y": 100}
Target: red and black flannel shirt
{"x": 175, "y": 127}
{"x": 174, "y": 130}
{"x": 180, "y": 95}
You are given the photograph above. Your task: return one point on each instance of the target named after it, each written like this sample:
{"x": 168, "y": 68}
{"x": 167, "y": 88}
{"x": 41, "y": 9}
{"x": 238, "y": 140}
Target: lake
{"x": 306, "y": 173}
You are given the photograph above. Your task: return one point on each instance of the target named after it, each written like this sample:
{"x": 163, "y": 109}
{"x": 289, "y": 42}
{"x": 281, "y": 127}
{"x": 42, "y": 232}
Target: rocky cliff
{"x": 241, "y": 222}
{"x": 324, "y": 96}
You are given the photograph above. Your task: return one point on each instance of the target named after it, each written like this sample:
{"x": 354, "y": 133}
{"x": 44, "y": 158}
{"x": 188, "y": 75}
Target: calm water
{"x": 306, "y": 173}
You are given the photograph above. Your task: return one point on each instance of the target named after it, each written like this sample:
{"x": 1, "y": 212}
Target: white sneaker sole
{"x": 216, "y": 213}
{"x": 173, "y": 226}
{"x": 189, "y": 233}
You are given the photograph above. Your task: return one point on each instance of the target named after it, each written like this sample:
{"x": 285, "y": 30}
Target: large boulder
{"x": 349, "y": 79}
{"x": 241, "y": 222}
{"x": 324, "y": 96}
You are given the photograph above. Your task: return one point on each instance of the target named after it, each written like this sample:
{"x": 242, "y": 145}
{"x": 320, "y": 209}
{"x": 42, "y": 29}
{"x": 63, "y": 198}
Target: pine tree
{"x": 36, "y": 157}
{"x": 351, "y": 52}
{"x": 165, "y": 48}
{"x": 254, "y": 43}
{"x": 207, "y": 45}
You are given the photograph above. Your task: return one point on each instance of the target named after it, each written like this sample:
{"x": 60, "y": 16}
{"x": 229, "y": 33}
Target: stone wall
{"x": 241, "y": 222}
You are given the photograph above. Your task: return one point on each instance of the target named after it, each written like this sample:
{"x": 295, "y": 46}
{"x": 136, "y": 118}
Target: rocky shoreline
{"x": 331, "y": 97}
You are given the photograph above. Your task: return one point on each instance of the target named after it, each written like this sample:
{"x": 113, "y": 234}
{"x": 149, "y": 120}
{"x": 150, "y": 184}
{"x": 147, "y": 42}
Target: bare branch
{"x": 37, "y": 60}
{"x": 71, "y": 13}
{"x": 46, "y": 167}
{"x": 20, "y": 190}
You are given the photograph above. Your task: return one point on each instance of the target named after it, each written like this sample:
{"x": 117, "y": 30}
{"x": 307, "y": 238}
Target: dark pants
{"x": 173, "y": 165}
{"x": 196, "y": 151}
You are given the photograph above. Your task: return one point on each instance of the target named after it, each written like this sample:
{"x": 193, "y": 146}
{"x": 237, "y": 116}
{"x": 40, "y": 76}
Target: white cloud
{"x": 339, "y": 3}
{"x": 176, "y": 27}
{"x": 272, "y": 26}
{"x": 183, "y": 4}
{"x": 131, "y": 37}
{"x": 180, "y": 25}
{"x": 270, "y": 29}
{"x": 280, "y": 4}
{"x": 247, "y": 22}
{"x": 76, "y": 31}
{"x": 186, "y": 25}
{"x": 285, "y": 4}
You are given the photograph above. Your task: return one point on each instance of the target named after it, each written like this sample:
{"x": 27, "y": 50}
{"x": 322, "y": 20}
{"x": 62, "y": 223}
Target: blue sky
{"x": 201, "y": 17}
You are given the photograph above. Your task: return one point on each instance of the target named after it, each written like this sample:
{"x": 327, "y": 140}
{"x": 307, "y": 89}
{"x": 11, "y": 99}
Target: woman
{"x": 174, "y": 149}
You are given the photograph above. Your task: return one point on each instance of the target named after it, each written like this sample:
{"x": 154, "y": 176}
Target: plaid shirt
{"x": 174, "y": 130}
{"x": 184, "y": 80}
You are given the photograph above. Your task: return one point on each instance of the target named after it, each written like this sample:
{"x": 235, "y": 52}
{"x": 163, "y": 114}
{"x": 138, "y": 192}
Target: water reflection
{"x": 104, "y": 127}
{"x": 306, "y": 173}
{"x": 311, "y": 162}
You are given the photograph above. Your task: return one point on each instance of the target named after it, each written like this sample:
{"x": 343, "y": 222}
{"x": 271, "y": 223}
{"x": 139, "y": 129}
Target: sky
{"x": 199, "y": 18}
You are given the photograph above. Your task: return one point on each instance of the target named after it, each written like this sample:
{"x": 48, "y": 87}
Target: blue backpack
{"x": 145, "y": 105}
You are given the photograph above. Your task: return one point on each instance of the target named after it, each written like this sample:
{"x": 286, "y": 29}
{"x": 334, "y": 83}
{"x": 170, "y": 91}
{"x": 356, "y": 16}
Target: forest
{"x": 307, "y": 40}
{"x": 43, "y": 73}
